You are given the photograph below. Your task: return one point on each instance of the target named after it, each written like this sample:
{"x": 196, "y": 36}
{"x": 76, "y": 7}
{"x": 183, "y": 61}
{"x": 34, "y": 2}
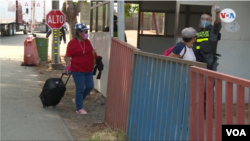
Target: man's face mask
{"x": 204, "y": 24}
{"x": 205, "y": 21}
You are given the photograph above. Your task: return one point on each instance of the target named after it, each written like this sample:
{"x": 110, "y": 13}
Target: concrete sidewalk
{"x": 22, "y": 114}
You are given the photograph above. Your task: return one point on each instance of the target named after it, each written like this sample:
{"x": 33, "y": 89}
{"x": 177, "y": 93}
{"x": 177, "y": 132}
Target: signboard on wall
{"x": 227, "y": 15}
{"x": 232, "y": 27}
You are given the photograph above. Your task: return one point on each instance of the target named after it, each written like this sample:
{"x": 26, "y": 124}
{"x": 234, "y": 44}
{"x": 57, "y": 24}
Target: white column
{"x": 33, "y": 16}
{"x": 177, "y": 12}
{"x": 121, "y": 23}
{"x": 111, "y": 18}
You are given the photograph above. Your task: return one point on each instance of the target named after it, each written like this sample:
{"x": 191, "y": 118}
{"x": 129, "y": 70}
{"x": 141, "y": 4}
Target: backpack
{"x": 168, "y": 51}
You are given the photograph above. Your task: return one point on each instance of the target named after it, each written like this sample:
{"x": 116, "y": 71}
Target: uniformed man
{"x": 205, "y": 48}
{"x": 62, "y": 35}
{"x": 207, "y": 39}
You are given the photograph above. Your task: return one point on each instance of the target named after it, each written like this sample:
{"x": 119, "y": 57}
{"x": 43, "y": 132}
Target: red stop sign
{"x": 55, "y": 19}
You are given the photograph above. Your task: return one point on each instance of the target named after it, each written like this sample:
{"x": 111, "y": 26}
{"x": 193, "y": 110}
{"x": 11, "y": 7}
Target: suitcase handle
{"x": 61, "y": 79}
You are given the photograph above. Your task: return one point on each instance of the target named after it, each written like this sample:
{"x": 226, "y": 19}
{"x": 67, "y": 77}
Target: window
{"x": 152, "y": 23}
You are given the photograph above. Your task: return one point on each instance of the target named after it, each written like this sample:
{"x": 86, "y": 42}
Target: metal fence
{"x": 119, "y": 79}
{"x": 159, "y": 98}
{"x": 197, "y": 105}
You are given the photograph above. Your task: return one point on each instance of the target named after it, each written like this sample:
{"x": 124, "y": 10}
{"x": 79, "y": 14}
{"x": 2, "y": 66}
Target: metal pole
{"x": 111, "y": 18}
{"x": 121, "y": 23}
{"x": 155, "y": 22}
{"x": 96, "y": 19}
{"x": 55, "y": 55}
{"x": 103, "y": 18}
{"x": 91, "y": 16}
{"x": 163, "y": 24}
{"x": 139, "y": 26}
{"x": 142, "y": 14}
{"x": 33, "y": 16}
{"x": 108, "y": 14}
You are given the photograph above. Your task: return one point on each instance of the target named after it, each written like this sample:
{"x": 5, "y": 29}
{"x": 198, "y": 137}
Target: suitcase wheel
{"x": 54, "y": 106}
{"x": 45, "y": 106}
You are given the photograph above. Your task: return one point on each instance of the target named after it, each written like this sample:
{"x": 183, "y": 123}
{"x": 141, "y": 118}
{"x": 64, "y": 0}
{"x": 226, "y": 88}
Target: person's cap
{"x": 188, "y": 32}
{"x": 80, "y": 27}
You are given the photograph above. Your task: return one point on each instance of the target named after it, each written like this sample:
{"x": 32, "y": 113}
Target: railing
{"x": 197, "y": 105}
{"x": 159, "y": 98}
{"x": 119, "y": 80}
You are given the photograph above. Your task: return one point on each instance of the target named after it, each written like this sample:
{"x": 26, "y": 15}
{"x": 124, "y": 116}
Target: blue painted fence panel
{"x": 159, "y": 98}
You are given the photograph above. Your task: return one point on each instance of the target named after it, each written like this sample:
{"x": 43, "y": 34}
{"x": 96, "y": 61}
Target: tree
{"x": 130, "y": 8}
{"x": 71, "y": 10}
{"x": 127, "y": 10}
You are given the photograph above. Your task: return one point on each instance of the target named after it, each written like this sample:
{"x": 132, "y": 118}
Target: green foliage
{"x": 127, "y": 11}
{"x": 130, "y": 8}
{"x": 85, "y": 2}
{"x": 120, "y": 134}
{"x": 135, "y": 8}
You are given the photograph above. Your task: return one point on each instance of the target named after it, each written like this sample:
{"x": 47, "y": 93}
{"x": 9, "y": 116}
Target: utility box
{"x": 31, "y": 57}
{"x": 42, "y": 48}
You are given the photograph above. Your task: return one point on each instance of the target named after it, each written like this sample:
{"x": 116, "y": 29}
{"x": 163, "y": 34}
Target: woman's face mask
{"x": 86, "y": 36}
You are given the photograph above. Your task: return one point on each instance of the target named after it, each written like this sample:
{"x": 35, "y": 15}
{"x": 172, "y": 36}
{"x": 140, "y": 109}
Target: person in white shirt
{"x": 184, "y": 49}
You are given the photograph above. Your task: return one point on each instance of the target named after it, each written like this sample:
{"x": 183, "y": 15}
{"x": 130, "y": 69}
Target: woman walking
{"x": 80, "y": 60}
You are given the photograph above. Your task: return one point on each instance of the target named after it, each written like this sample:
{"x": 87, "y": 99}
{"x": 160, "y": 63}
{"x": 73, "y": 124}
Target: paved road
{"x": 22, "y": 115}
{"x": 13, "y": 46}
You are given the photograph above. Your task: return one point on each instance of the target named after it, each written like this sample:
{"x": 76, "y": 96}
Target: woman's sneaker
{"x": 74, "y": 101}
{"x": 82, "y": 112}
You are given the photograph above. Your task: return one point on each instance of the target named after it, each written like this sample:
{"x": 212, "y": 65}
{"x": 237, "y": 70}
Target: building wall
{"x": 233, "y": 46}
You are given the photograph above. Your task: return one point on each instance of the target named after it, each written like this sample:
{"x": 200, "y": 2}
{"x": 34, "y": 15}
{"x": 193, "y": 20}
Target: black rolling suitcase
{"x": 53, "y": 91}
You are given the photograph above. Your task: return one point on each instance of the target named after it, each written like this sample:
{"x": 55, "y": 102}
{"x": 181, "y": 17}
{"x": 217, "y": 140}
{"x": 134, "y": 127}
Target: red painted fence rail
{"x": 197, "y": 87}
{"x": 119, "y": 79}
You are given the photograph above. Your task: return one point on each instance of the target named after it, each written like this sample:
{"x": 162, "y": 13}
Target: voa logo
{"x": 236, "y": 132}
{"x": 227, "y": 15}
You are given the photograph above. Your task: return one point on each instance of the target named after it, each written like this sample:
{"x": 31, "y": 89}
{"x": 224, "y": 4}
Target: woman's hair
{"x": 77, "y": 33}
{"x": 187, "y": 39}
